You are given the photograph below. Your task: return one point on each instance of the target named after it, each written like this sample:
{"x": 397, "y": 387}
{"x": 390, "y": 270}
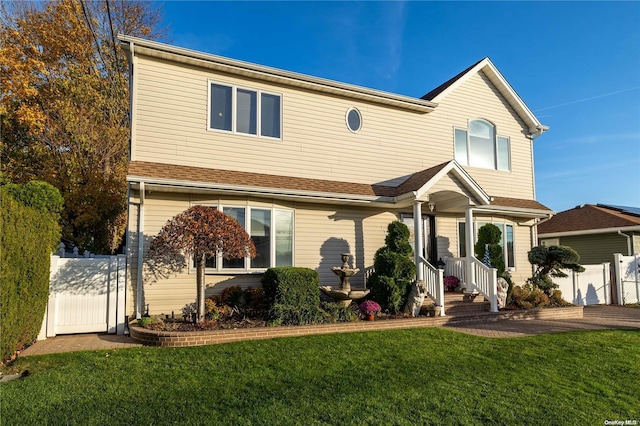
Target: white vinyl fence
{"x": 627, "y": 270}
{"x": 85, "y": 295}
{"x": 591, "y": 287}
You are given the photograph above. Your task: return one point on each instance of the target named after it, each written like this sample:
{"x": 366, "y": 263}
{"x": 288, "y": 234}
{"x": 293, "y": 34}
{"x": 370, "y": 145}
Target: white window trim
{"x": 478, "y": 223}
{"x": 220, "y": 270}
{"x": 495, "y": 146}
{"x": 234, "y": 96}
{"x": 346, "y": 119}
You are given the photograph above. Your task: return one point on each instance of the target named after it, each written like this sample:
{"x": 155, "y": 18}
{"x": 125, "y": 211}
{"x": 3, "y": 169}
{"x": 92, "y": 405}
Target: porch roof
{"x": 180, "y": 178}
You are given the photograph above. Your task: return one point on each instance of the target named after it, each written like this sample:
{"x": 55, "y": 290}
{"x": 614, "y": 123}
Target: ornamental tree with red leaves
{"x": 198, "y": 232}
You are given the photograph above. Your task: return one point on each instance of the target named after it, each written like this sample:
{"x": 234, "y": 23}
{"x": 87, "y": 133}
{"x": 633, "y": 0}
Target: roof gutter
{"x": 629, "y": 243}
{"x": 247, "y": 69}
{"x": 589, "y": 231}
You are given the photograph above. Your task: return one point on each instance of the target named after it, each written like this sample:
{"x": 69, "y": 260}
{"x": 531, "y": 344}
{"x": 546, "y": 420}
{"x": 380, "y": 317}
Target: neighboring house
{"x": 313, "y": 168}
{"x": 595, "y": 231}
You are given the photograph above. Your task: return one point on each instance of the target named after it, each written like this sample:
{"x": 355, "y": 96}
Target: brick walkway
{"x": 595, "y": 318}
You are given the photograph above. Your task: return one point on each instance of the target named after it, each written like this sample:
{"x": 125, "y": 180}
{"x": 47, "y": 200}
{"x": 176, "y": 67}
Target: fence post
{"x": 121, "y": 291}
{"x": 52, "y": 311}
{"x": 617, "y": 260}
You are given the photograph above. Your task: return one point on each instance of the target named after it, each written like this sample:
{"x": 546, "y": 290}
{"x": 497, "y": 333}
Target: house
{"x": 313, "y": 168}
{"x": 595, "y": 231}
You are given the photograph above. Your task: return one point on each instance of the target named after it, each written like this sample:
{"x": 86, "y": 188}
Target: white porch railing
{"x": 486, "y": 282}
{"x": 434, "y": 279}
{"x": 456, "y": 266}
{"x": 485, "y": 279}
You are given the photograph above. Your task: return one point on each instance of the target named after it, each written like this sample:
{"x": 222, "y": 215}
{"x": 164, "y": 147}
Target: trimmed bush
{"x": 27, "y": 237}
{"x": 394, "y": 269}
{"x": 489, "y": 237}
{"x": 292, "y": 295}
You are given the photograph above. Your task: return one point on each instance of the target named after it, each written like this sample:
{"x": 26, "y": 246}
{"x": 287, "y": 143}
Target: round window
{"x": 354, "y": 120}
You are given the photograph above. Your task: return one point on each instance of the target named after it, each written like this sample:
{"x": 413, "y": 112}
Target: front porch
{"x": 476, "y": 278}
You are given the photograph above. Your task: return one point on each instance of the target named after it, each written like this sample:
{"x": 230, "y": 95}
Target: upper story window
{"x": 247, "y": 111}
{"x": 271, "y": 231}
{"x": 354, "y": 120}
{"x": 479, "y": 146}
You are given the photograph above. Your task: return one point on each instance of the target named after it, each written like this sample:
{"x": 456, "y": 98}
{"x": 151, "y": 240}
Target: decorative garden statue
{"x": 416, "y": 298}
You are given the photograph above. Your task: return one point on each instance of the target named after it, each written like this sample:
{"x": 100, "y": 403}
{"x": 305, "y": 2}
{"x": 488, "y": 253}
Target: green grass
{"x": 408, "y": 377}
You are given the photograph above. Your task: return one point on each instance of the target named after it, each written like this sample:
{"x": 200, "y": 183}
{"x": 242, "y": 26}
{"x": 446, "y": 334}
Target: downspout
{"x": 139, "y": 307}
{"x": 629, "y": 243}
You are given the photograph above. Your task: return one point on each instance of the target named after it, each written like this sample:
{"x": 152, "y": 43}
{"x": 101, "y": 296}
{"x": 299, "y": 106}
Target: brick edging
{"x": 211, "y": 337}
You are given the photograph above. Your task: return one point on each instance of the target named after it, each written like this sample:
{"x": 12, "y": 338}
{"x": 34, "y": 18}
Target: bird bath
{"x": 344, "y": 294}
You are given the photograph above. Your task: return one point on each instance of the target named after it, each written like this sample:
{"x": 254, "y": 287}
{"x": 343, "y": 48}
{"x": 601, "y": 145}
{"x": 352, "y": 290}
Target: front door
{"x": 428, "y": 233}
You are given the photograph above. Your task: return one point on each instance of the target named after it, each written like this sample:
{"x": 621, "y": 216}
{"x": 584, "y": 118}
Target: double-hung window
{"x": 271, "y": 231}
{"x": 242, "y": 110}
{"x": 506, "y": 241}
{"x": 479, "y": 146}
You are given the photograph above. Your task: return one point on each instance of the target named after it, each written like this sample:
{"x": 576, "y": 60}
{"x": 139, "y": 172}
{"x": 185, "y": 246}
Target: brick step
{"x": 467, "y": 310}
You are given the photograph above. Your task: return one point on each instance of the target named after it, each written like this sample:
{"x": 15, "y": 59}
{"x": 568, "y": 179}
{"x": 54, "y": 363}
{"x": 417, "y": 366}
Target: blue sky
{"x": 575, "y": 64}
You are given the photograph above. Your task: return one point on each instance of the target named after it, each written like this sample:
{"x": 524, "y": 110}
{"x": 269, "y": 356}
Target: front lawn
{"x": 420, "y": 376}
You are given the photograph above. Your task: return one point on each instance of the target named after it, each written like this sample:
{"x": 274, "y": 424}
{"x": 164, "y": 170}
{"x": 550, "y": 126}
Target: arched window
{"x": 479, "y": 146}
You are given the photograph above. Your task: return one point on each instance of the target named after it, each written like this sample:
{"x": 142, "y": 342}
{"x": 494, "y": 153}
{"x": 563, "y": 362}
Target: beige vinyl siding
{"x": 321, "y": 235}
{"x": 596, "y": 248}
{"x": 171, "y": 108}
{"x": 636, "y": 244}
{"x": 477, "y": 98}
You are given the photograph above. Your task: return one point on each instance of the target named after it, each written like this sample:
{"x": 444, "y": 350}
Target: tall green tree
{"x": 64, "y": 106}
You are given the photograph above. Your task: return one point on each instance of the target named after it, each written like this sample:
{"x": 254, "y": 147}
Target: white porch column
{"x": 418, "y": 238}
{"x": 469, "y": 236}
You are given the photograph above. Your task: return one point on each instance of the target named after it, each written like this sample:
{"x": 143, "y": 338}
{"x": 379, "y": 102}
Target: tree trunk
{"x": 200, "y": 264}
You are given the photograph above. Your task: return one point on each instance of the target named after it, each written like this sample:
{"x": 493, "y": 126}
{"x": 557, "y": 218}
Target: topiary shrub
{"x": 489, "y": 237}
{"x": 27, "y": 238}
{"x": 550, "y": 262}
{"x": 394, "y": 269}
{"x": 292, "y": 295}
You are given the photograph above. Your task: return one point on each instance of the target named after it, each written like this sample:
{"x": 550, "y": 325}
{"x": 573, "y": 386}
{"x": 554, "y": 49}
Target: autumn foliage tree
{"x": 64, "y": 106}
{"x": 200, "y": 232}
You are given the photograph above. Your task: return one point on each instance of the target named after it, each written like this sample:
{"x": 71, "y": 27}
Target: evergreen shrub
{"x": 394, "y": 269}
{"x": 28, "y": 234}
{"x": 292, "y": 295}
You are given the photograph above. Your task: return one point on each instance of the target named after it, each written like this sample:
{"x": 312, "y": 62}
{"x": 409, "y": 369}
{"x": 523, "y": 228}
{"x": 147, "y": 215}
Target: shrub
{"x": 146, "y": 321}
{"x": 489, "y": 237}
{"x": 394, "y": 269}
{"x": 292, "y": 295}
{"x": 550, "y": 262}
{"x": 334, "y": 312}
{"x": 528, "y": 297}
{"x": 27, "y": 239}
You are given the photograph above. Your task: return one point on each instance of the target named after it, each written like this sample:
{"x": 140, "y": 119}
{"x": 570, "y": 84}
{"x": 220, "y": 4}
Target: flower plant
{"x": 369, "y": 307}
{"x": 451, "y": 282}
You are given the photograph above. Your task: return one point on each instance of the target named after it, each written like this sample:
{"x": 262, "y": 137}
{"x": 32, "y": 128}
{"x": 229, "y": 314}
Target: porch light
{"x": 432, "y": 206}
{"x": 440, "y": 264}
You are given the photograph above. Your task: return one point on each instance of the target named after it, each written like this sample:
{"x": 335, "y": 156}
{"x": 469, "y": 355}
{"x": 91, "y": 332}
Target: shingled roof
{"x": 588, "y": 217}
{"x": 200, "y": 176}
